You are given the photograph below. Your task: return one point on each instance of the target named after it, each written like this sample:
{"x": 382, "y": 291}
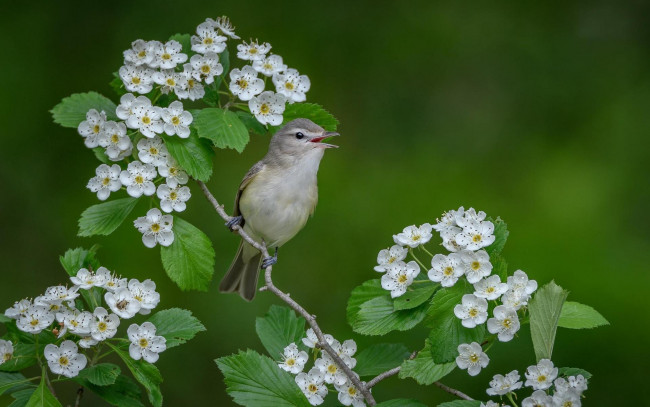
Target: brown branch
{"x": 388, "y": 373}
{"x": 455, "y": 392}
{"x": 311, "y": 319}
{"x": 80, "y": 393}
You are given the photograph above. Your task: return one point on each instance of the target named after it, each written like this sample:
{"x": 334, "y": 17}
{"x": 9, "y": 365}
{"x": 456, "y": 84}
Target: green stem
{"x": 425, "y": 250}
{"x": 418, "y": 260}
{"x": 509, "y": 395}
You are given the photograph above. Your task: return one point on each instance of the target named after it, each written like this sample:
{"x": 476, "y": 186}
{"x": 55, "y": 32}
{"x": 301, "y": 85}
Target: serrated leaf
{"x": 574, "y": 371}
{"x": 379, "y": 358}
{"x": 23, "y": 357}
{"x": 579, "y": 316}
{"x": 10, "y": 382}
{"x": 21, "y": 397}
{"x": 545, "y": 309}
{"x": 423, "y": 369}
{"x": 223, "y": 128}
{"x": 256, "y": 380}
{"x": 401, "y": 403}
{"x": 176, "y": 325}
{"x": 145, "y": 373}
{"x": 500, "y": 236}
{"x": 193, "y": 154}
{"x": 419, "y": 294}
{"x": 461, "y": 403}
{"x": 447, "y": 331}
{"x": 102, "y": 374}
{"x": 75, "y": 259}
{"x": 123, "y": 393}
{"x": 279, "y": 328}
{"x": 72, "y": 110}
{"x": 251, "y": 123}
{"x": 42, "y": 397}
{"x": 312, "y": 111}
{"x": 104, "y": 218}
{"x": 189, "y": 260}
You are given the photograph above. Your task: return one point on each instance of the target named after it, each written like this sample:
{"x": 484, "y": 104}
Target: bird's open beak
{"x": 325, "y": 136}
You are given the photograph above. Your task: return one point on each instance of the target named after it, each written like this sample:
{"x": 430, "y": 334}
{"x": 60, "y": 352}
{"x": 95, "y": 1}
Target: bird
{"x": 275, "y": 199}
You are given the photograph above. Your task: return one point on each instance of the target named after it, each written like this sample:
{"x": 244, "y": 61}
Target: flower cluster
{"x": 60, "y": 311}
{"x": 325, "y": 370}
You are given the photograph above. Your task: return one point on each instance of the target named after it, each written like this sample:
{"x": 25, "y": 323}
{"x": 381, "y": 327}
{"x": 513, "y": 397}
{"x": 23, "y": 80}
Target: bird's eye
{"x": 299, "y": 135}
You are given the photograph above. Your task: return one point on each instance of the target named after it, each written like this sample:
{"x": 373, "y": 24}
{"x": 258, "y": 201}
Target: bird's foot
{"x": 235, "y": 221}
{"x": 269, "y": 261}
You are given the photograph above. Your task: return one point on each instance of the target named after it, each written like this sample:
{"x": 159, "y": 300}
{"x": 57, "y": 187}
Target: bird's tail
{"x": 243, "y": 272}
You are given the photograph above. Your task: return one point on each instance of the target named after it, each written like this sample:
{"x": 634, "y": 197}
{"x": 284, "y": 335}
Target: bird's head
{"x": 301, "y": 136}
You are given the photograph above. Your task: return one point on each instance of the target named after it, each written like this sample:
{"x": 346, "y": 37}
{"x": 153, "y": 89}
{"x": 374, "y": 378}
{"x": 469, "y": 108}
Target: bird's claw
{"x": 235, "y": 221}
{"x": 269, "y": 261}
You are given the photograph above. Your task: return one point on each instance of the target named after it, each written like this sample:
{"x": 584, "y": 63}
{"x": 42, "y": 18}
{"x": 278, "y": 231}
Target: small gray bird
{"x": 275, "y": 198}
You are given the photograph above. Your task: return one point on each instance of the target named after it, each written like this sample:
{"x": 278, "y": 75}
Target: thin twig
{"x": 388, "y": 373}
{"x": 80, "y": 393}
{"x": 455, "y": 392}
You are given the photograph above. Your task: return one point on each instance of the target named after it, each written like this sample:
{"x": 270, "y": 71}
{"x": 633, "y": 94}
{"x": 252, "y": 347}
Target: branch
{"x": 455, "y": 392}
{"x": 80, "y": 393}
{"x": 311, "y": 319}
{"x": 388, "y": 373}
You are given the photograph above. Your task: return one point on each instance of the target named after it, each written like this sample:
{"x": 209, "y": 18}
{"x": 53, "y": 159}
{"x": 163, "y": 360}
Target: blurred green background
{"x": 535, "y": 112}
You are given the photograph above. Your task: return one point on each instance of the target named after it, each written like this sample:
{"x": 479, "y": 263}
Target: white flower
{"x": 206, "y": 67}
{"x": 6, "y": 351}
{"x": 348, "y": 348}
{"x": 113, "y": 282}
{"x": 65, "y": 360}
{"x": 577, "y": 384}
{"x": 569, "y": 398}
{"x": 519, "y": 281}
{"x": 349, "y": 395}
{"x": 505, "y": 323}
{"x": 57, "y": 294}
{"x": 476, "y": 265}
{"x": 138, "y": 179}
{"x": 331, "y": 371}
{"x": 122, "y": 303}
{"x": 145, "y": 118}
{"x": 170, "y": 81}
{"x": 539, "y": 398}
{"x": 269, "y": 65}
{"x": 268, "y": 107}
{"x": 449, "y": 220}
{"x": 177, "y": 120}
{"x": 145, "y": 293}
{"x": 413, "y": 236}
{"x": 501, "y": 385}
{"x": 312, "y": 386}
{"x": 476, "y": 235}
{"x": 207, "y": 39}
{"x": 86, "y": 279}
{"x": 491, "y": 403}
{"x": 136, "y": 78}
{"x": 253, "y": 51}
{"x": 399, "y": 276}
{"x": 292, "y": 85}
{"x": 173, "y": 172}
{"x": 472, "y": 311}
{"x": 470, "y": 216}
{"x": 87, "y": 342}
{"x": 35, "y": 319}
{"x": 449, "y": 239}
{"x": 311, "y": 340}
{"x": 173, "y": 199}
{"x": 223, "y": 25}
{"x": 152, "y": 151}
{"x": 155, "y": 228}
{"x": 244, "y": 83}
{"x": 76, "y": 321}
{"x": 114, "y": 139}
{"x": 490, "y": 288}
{"x": 541, "y": 376}
{"x": 472, "y": 358}
{"x": 168, "y": 55}
{"x": 141, "y": 52}
{"x": 145, "y": 344}
{"x": 125, "y": 109}
{"x": 19, "y": 308}
{"x": 106, "y": 181}
{"x": 445, "y": 270}
{"x": 387, "y": 257}
{"x": 91, "y": 128}
{"x": 293, "y": 360}
{"x": 192, "y": 88}
{"x": 103, "y": 325}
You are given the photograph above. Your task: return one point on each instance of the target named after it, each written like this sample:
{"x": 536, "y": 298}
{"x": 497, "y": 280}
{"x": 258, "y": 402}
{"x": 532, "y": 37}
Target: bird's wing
{"x": 259, "y": 166}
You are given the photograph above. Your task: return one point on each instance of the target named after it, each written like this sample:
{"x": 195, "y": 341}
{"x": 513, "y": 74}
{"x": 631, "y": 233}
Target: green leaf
{"x": 104, "y": 218}
{"x": 185, "y": 42}
{"x": 256, "y": 380}
{"x": 10, "y": 382}
{"x": 315, "y": 113}
{"x": 417, "y": 296}
{"x": 4, "y": 319}
{"x": 378, "y": 358}
{"x": 193, "y": 154}
{"x": 100, "y": 154}
{"x": 447, "y": 330}
{"x": 545, "y": 308}
{"x": 189, "y": 260}
{"x": 176, "y": 325}
{"x": 223, "y": 128}
{"x": 117, "y": 85}
{"x": 145, "y": 373}
{"x": 224, "y": 60}
{"x": 211, "y": 96}
{"x": 279, "y": 328}
{"x": 72, "y": 110}
{"x": 424, "y": 369}
{"x": 123, "y": 393}
{"x": 102, "y": 374}
{"x": 251, "y": 123}
{"x": 500, "y": 236}
{"x": 42, "y": 396}
{"x": 370, "y": 311}
{"x": 574, "y": 371}
{"x": 75, "y": 259}
{"x": 401, "y": 403}
{"x": 579, "y": 316}
{"x": 461, "y": 403}
{"x": 21, "y": 398}
{"x": 24, "y": 356}
{"x": 499, "y": 267}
